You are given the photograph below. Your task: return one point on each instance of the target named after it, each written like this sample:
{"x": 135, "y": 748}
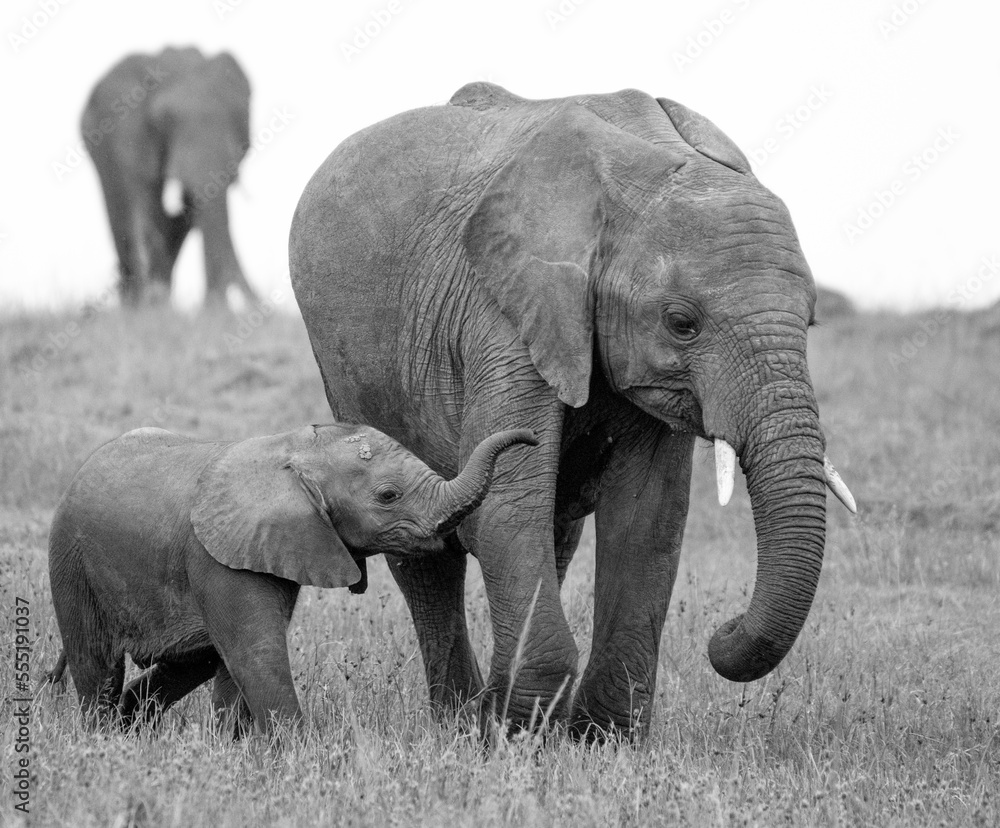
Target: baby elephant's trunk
{"x": 462, "y": 495}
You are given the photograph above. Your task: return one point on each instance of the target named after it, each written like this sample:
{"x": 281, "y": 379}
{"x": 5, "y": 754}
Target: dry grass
{"x": 885, "y": 713}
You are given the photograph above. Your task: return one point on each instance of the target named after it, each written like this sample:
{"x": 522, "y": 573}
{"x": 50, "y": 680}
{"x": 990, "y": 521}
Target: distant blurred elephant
{"x": 189, "y": 555}
{"x": 606, "y": 271}
{"x": 180, "y": 121}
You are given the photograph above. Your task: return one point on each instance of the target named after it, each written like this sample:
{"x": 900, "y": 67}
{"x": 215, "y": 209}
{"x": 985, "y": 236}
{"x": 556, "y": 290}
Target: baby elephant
{"x": 189, "y": 555}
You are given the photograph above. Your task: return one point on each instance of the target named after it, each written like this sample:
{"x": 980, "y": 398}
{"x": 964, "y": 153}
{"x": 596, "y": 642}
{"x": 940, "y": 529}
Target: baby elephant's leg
{"x": 146, "y": 698}
{"x": 231, "y": 710}
{"x": 95, "y": 656}
{"x": 247, "y": 615}
{"x": 98, "y": 678}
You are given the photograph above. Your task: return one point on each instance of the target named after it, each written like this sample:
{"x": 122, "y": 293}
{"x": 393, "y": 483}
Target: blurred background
{"x": 877, "y": 122}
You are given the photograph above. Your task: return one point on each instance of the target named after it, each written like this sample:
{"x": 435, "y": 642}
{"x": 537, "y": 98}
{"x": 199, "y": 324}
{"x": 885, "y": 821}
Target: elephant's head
{"x": 307, "y": 504}
{"x": 200, "y": 115}
{"x": 635, "y": 225}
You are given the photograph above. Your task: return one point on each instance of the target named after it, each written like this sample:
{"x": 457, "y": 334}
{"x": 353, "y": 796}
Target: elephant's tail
{"x": 56, "y": 675}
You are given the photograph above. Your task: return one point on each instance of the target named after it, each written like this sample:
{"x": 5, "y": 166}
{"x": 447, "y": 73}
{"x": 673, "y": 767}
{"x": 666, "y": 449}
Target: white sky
{"x": 873, "y": 98}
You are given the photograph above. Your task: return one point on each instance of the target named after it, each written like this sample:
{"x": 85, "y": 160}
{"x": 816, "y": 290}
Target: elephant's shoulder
{"x": 484, "y": 95}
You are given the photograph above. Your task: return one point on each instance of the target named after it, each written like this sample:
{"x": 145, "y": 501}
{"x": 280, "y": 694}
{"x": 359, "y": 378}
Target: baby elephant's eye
{"x": 388, "y": 495}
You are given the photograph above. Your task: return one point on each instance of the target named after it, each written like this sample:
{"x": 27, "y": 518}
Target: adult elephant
{"x": 604, "y": 270}
{"x": 176, "y": 124}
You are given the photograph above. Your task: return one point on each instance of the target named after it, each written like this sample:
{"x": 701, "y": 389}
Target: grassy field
{"x": 885, "y": 713}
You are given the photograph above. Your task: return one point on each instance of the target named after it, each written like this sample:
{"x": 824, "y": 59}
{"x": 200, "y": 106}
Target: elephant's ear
{"x": 256, "y": 509}
{"x": 532, "y": 241}
{"x": 225, "y": 67}
{"x": 704, "y": 136}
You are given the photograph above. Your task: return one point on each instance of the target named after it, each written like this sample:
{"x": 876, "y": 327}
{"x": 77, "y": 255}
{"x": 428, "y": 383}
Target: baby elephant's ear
{"x": 256, "y": 510}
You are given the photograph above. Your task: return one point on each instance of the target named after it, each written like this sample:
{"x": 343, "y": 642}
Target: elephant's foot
{"x": 601, "y": 714}
{"x": 540, "y": 693}
{"x": 456, "y": 683}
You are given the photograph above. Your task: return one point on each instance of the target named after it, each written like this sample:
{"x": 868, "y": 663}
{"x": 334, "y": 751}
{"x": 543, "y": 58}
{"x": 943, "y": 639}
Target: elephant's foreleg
{"x": 222, "y": 268}
{"x": 535, "y": 657}
{"x": 434, "y": 589}
{"x": 247, "y": 616}
{"x": 641, "y": 511}
{"x": 146, "y": 698}
{"x": 534, "y": 654}
{"x": 121, "y": 204}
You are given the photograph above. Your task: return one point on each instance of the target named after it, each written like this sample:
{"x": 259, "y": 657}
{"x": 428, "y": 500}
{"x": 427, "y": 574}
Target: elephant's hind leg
{"x": 146, "y": 698}
{"x": 96, "y": 659}
{"x": 98, "y": 677}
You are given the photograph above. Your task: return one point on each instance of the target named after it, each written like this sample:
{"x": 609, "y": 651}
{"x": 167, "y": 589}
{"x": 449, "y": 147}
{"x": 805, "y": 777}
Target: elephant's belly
{"x": 184, "y": 642}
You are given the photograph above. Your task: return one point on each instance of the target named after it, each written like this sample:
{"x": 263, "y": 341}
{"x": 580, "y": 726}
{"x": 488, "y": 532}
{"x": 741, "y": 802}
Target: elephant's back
{"x": 132, "y": 492}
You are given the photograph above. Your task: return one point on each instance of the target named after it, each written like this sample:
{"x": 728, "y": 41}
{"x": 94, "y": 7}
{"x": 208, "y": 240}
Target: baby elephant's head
{"x": 307, "y": 504}
{"x": 382, "y": 498}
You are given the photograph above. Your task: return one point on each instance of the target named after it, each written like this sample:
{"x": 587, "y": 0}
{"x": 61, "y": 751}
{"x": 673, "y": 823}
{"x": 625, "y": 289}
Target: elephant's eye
{"x": 388, "y": 495}
{"x": 682, "y": 325}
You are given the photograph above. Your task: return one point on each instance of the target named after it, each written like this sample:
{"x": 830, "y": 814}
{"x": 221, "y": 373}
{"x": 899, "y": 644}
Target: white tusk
{"x": 173, "y": 197}
{"x": 725, "y": 470}
{"x": 838, "y": 486}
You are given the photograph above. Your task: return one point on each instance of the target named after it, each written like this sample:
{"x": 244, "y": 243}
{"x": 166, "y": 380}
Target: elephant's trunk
{"x": 457, "y": 498}
{"x": 783, "y": 463}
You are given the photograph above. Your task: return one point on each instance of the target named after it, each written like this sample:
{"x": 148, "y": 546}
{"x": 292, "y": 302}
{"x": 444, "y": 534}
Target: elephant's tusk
{"x": 173, "y": 197}
{"x": 838, "y": 486}
{"x": 725, "y": 470}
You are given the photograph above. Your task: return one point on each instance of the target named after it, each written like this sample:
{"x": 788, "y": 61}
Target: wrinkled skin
{"x": 178, "y": 117}
{"x": 606, "y": 271}
{"x": 189, "y": 556}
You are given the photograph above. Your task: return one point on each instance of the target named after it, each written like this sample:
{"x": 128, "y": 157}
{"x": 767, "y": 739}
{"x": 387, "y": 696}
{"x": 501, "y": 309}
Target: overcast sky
{"x": 877, "y": 122}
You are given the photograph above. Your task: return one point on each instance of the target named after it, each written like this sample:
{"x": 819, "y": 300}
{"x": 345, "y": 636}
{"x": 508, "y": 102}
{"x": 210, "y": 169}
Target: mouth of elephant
{"x": 402, "y": 543}
{"x": 677, "y": 407}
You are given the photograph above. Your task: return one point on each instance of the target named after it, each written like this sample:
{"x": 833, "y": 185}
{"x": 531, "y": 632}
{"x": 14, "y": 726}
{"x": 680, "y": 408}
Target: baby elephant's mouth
{"x": 403, "y": 543}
